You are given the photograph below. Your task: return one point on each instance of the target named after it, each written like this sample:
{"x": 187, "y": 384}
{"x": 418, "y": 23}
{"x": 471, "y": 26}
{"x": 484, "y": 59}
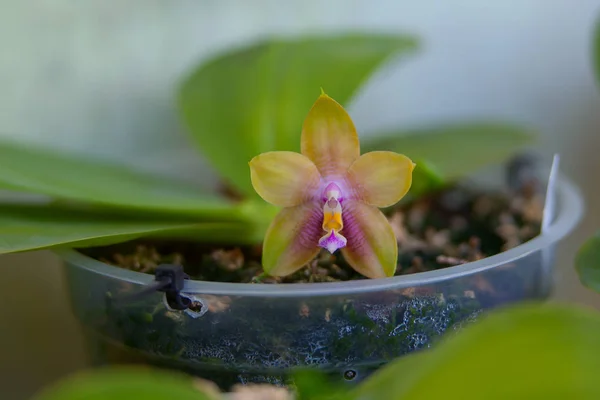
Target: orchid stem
{"x": 259, "y": 278}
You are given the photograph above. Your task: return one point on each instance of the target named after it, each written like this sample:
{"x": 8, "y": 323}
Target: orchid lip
{"x": 332, "y": 241}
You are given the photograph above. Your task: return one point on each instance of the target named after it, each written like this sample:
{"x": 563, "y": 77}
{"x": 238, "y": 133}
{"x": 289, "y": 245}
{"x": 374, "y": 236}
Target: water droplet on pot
{"x": 350, "y": 375}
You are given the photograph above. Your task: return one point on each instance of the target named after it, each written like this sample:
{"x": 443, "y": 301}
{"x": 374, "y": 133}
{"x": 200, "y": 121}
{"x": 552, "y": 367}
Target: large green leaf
{"x": 587, "y": 263}
{"x": 126, "y": 383}
{"x": 255, "y": 99}
{"x": 452, "y": 151}
{"x": 31, "y": 227}
{"x": 529, "y": 351}
{"x": 66, "y": 176}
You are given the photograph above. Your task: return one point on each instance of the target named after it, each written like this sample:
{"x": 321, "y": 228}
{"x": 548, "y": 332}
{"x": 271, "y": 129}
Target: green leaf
{"x": 65, "y": 176}
{"x": 314, "y": 384}
{"x": 531, "y": 351}
{"x": 449, "y": 152}
{"x": 126, "y": 383}
{"x": 255, "y": 99}
{"x": 587, "y": 263}
{"x": 426, "y": 179}
{"x": 32, "y": 227}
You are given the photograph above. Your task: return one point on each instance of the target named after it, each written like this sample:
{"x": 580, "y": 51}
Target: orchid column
{"x": 330, "y": 196}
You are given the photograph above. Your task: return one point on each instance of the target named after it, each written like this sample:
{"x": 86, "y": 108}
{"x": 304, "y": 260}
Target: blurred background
{"x": 99, "y": 77}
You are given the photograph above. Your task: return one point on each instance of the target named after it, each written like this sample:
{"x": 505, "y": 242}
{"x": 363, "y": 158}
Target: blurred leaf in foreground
{"x": 587, "y": 263}
{"x": 529, "y": 351}
{"x": 127, "y": 383}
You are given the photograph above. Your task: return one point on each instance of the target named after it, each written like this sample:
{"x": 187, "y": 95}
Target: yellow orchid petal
{"x": 292, "y": 239}
{"x": 329, "y": 137}
{"x": 284, "y": 178}
{"x": 371, "y": 247}
{"x": 381, "y": 178}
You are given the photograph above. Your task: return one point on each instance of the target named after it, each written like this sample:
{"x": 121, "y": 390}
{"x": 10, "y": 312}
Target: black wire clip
{"x": 168, "y": 278}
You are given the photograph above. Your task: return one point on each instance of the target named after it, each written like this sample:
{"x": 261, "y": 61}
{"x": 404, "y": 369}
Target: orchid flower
{"x": 330, "y": 196}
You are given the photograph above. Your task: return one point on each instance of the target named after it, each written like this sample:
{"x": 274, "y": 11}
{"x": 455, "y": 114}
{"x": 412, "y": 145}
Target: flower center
{"x": 332, "y": 219}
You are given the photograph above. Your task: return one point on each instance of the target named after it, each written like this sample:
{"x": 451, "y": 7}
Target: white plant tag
{"x": 550, "y": 201}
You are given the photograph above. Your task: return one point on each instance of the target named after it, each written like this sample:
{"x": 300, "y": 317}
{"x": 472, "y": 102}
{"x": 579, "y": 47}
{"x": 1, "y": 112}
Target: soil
{"x": 447, "y": 228}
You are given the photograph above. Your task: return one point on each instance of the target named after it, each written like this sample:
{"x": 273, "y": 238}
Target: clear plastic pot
{"x": 258, "y": 332}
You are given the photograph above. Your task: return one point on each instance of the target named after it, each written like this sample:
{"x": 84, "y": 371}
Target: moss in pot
{"x": 251, "y": 320}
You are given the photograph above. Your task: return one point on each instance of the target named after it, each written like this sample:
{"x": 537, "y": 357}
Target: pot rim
{"x": 570, "y": 210}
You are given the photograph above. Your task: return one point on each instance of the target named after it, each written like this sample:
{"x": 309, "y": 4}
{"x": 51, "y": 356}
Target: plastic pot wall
{"x": 257, "y": 333}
